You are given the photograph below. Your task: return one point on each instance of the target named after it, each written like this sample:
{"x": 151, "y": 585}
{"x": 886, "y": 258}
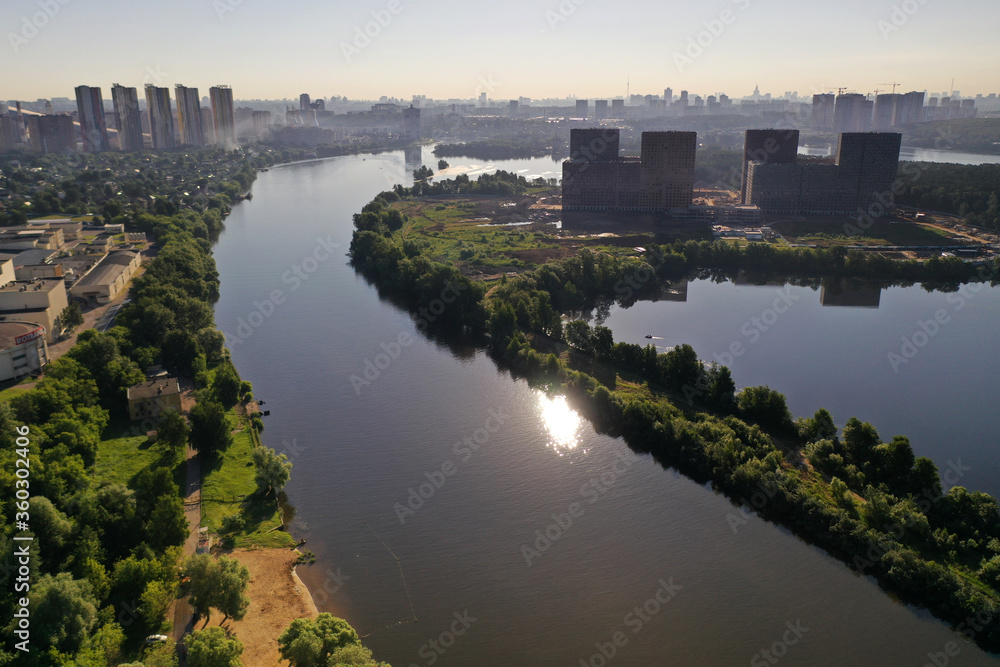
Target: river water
{"x": 438, "y": 487}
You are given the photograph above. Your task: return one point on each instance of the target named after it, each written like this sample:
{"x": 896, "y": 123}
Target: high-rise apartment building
{"x": 885, "y": 111}
{"x": 261, "y": 124}
{"x": 9, "y": 135}
{"x": 161, "y": 118}
{"x": 596, "y": 178}
{"x": 93, "y": 127}
{"x": 868, "y": 163}
{"x": 909, "y": 109}
{"x": 581, "y": 108}
{"x": 852, "y": 113}
{"x": 126, "y": 103}
{"x": 772, "y": 146}
{"x": 822, "y": 111}
{"x": 411, "y": 123}
{"x": 51, "y": 134}
{"x": 861, "y": 175}
{"x": 600, "y": 109}
{"x": 189, "y": 116}
{"x": 223, "y": 115}
{"x": 667, "y": 175}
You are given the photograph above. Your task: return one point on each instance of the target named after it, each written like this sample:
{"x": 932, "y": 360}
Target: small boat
{"x": 649, "y": 335}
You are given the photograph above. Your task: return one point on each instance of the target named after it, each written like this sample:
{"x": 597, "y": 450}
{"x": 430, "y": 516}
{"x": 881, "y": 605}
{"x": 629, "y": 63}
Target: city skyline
{"x": 515, "y": 50}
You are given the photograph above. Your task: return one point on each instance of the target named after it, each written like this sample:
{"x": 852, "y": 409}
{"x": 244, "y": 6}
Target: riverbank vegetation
{"x": 871, "y": 503}
{"x": 106, "y": 509}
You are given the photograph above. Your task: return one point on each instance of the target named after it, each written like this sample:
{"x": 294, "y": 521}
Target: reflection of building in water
{"x": 413, "y": 156}
{"x": 850, "y": 294}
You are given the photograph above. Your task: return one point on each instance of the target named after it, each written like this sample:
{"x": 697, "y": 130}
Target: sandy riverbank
{"x": 277, "y": 597}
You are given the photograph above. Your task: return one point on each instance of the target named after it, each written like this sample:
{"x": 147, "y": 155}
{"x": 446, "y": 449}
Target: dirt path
{"x": 182, "y": 612}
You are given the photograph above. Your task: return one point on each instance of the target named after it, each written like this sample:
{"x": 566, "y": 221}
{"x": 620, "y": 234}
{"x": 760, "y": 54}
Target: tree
{"x": 310, "y": 643}
{"x": 442, "y": 164}
{"x": 273, "y": 469}
{"x": 226, "y": 385}
{"x": 764, "y": 406}
{"x": 818, "y": 427}
{"x": 603, "y": 341}
{"x": 210, "y": 429}
{"x": 63, "y": 612}
{"x": 219, "y": 583}
{"x": 579, "y": 335}
{"x": 213, "y": 647}
{"x": 860, "y": 440}
{"x": 213, "y": 343}
{"x": 167, "y": 524}
{"x": 154, "y": 602}
{"x": 103, "y": 648}
{"x": 172, "y": 431}
{"x": 353, "y": 655}
{"x": 200, "y": 570}
{"x": 233, "y": 579}
{"x": 71, "y": 317}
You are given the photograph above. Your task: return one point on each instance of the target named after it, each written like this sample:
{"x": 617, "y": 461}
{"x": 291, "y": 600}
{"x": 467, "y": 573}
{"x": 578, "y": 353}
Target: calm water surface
{"x": 496, "y": 462}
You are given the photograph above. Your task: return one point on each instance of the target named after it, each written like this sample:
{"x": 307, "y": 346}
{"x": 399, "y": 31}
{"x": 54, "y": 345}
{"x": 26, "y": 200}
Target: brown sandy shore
{"x": 277, "y": 597}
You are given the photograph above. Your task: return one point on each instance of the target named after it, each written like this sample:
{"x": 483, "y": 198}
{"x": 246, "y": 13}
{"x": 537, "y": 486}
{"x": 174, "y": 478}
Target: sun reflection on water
{"x": 561, "y": 422}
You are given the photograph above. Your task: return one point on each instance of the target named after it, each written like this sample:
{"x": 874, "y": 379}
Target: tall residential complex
{"x": 775, "y": 146}
{"x": 861, "y": 175}
{"x": 189, "y": 115}
{"x": 51, "y": 134}
{"x": 9, "y": 135}
{"x": 596, "y": 178}
{"x": 161, "y": 118}
{"x": 852, "y": 113}
{"x": 223, "y": 115}
{"x": 885, "y": 110}
{"x": 93, "y": 127}
{"x": 822, "y": 111}
{"x": 411, "y": 123}
{"x": 126, "y": 102}
{"x": 667, "y": 173}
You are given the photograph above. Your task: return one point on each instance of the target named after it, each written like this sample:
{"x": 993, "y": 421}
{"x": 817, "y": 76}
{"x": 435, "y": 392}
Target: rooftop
{"x": 108, "y": 270}
{"x": 10, "y": 331}
{"x": 38, "y": 285}
{"x": 153, "y": 388}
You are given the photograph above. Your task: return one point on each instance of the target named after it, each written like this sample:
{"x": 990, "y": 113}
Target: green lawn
{"x": 228, "y": 488}
{"x": 121, "y": 456}
{"x": 12, "y": 389}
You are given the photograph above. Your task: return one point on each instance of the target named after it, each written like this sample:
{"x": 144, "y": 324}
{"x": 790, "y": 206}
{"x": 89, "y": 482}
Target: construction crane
{"x": 893, "y": 84}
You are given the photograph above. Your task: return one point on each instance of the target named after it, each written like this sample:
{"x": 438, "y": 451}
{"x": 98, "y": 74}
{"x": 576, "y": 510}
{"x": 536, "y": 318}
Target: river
{"x": 522, "y": 535}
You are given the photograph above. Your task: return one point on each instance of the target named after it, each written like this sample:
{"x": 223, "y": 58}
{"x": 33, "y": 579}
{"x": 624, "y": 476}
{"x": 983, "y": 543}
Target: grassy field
{"x": 12, "y": 388}
{"x": 456, "y": 230}
{"x": 120, "y": 459}
{"x": 881, "y": 232}
{"x": 228, "y": 488}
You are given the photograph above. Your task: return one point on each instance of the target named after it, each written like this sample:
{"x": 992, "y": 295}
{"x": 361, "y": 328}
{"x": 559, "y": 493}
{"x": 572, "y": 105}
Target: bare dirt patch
{"x": 277, "y": 597}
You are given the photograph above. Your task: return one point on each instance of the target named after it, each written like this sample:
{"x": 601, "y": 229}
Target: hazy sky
{"x": 541, "y": 48}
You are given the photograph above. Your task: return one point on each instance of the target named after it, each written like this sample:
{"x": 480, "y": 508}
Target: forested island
{"x": 871, "y": 503}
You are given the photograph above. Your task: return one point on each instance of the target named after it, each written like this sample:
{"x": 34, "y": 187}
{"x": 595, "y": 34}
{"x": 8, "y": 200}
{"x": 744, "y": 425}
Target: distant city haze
{"x": 539, "y": 49}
